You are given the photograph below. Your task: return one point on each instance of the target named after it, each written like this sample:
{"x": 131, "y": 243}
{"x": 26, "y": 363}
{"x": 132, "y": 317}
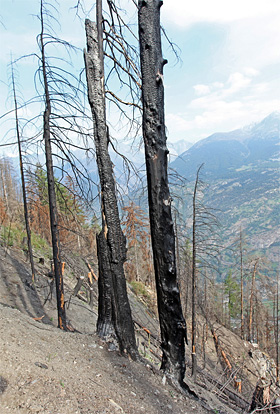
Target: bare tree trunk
{"x": 172, "y": 323}
{"x": 267, "y": 336}
{"x": 250, "y": 325}
{"x": 187, "y": 278}
{"x": 113, "y": 303}
{"x": 26, "y": 216}
{"x": 241, "y": 286}
{"x": 136, "y": 262}
{"x": 205, "y": 326}
{"x": 51, "y": 187}
{"x": 177, "y": 249}
{"x": 194, "y": 279}
{"x": 277, "y": 330}
{"x": 5, "y": 193}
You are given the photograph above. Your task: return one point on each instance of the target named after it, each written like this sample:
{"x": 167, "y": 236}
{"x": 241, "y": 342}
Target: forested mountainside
{"x": 242, "y": 173}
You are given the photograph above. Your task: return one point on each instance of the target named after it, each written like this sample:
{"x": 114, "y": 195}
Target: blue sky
{"x": 229, "y": 75}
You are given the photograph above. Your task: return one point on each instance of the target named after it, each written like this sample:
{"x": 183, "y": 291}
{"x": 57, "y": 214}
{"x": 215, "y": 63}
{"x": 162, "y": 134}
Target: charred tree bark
{"x": 194, "y": 279}
{"x": 51, "y": 187}
{"x": 172, "y": 323}
{"x": 113, "y": 303}
{"x": 261, "y": 397}
{"x": 25, "y": 206}
{"x": 105, "y": 326}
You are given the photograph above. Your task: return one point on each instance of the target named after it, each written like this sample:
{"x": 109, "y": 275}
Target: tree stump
{"x": 261, "y": 396}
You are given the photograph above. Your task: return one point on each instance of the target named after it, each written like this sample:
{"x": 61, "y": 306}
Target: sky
{"x": 229, "y": 70}
{"x": 230, "y": 75}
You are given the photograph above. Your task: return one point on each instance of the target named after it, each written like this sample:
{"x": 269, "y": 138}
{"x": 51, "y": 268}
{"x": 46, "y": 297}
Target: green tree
{"x": 232, "y": 289}
{"x": 41, "y": 183}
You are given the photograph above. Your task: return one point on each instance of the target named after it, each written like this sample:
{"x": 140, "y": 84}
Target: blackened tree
{"x": 114, "y": 313}
{"x": 42, "y": 40}
{"x": 172, "y": 323}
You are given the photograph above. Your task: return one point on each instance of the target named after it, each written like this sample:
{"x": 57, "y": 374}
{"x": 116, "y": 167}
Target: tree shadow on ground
{"x": 3, "y": 384}
{"x": 18, "y": 289}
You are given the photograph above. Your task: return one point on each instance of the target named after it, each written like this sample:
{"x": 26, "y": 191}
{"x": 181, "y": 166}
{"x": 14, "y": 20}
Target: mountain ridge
{"x": 222, "y": 153}
{"x": 242, "y": 170}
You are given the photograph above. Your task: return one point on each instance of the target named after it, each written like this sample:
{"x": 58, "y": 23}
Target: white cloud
{"x": 217, "y": 85}
{"x": 216, "y": 11}
{"x": 252, "y": 34}
{"x": 261, "y": 87}
{"x": 254, "y": 41}
{"x": 251, "y": 72}
{"x": 201, "y": 89}
{"x": 178, "y": 122}
{"x": 218, "y": 116}
{"x": 224, "y": 107}
{"x": 237, "y": 81}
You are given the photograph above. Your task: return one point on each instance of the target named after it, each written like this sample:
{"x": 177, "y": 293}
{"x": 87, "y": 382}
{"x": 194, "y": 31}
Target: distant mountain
{"x": 226, "y": 153}
{"x": 177, "y": 148}
{"x": 242, "y": 169}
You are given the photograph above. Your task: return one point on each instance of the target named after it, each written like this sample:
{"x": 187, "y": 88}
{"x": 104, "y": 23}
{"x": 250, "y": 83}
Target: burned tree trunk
{"x": 261, "y": 397}
{"x": 276, "y": 328}
{"x": 105, "y": 326}
{"x": 241, "y": 286}
{"x": 252, "y": 299}
{"x": 194, "y": 276}
{"x": 51, "y": 185}
{"x": 172, "y": 323}
{"x": 114, "y": 308}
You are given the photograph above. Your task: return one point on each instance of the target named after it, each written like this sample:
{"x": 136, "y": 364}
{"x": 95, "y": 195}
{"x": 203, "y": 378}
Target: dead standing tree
{"x": 205, "y": 250}
{"x": 114, "y": 311}
{"x": 276, "y": 328}
{"x": 172, "y": 323}
{"x": 42, "y": 40}
{"x": 26, "y": 215}
{"x": 241, "y": 284}
{"x": 252, "y": 301}
{"x": 61, "y": 95}
{"x": 194, "y": 277}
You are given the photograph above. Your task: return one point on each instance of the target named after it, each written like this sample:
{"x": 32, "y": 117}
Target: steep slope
{"x": 45, "y": 370}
